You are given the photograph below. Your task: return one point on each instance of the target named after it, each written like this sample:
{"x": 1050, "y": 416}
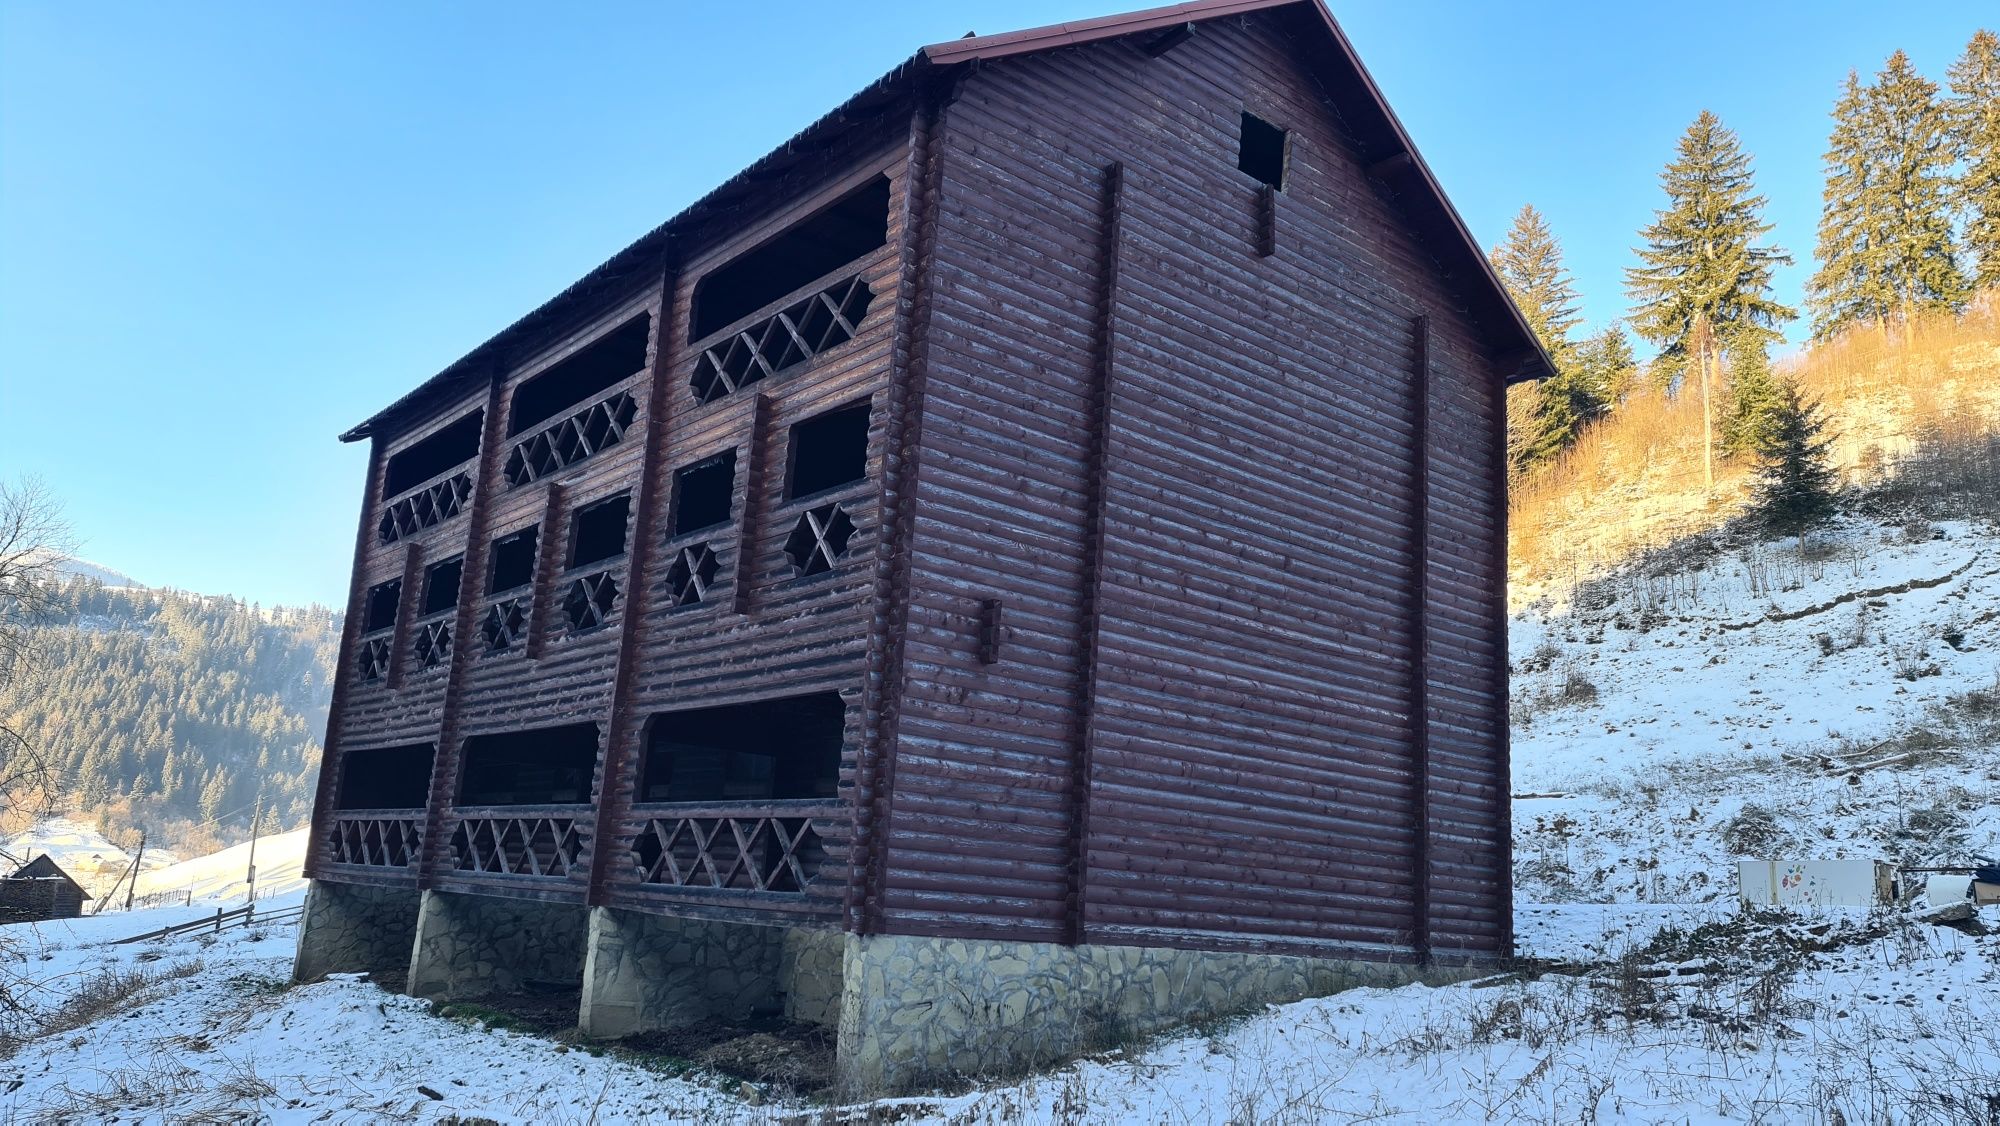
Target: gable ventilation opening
{"x": 1262, "y": 150}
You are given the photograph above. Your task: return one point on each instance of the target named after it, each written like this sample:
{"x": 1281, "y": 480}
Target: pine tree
{"x": 1975, "y": 124}
{"x": 1608, "y": 366}
{"x": 1754, "y": 398}
{"x": 1704, "y": 277}
{"x": 1885, "y": 248}
{"x": 1545, "y": 419}
{"x": 1796, "y": 484}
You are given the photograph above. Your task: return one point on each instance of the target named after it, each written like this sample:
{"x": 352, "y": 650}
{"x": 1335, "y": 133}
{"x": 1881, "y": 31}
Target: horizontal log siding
{"x": 1251, "y": 759}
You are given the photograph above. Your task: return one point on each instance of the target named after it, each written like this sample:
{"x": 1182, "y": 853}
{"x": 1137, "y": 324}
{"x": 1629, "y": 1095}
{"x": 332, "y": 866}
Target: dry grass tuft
{"x": 1897, "y": 400}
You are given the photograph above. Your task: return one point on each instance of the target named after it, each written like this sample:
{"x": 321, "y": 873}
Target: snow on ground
{"x": 281, "y": 860}
{"x": 1668, "y": 720}
{"x": 86, "y": 854}
{"x": 1896, "y": 1016}
{"x": 1765, "y": 705}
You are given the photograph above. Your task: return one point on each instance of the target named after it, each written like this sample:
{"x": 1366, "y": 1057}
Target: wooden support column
{"x": 1097, "y": 473}
{"x": 551, "y": 538}
{"x": 618, "y": 767}
{"x": 753, "y": 493}
{"x": 1420, "y": 635}
{"x": 350, "y": 636}
{"x": 882, "y": 692}
{"x": 1497, "y": 629}
{"x": 465, "y": 626}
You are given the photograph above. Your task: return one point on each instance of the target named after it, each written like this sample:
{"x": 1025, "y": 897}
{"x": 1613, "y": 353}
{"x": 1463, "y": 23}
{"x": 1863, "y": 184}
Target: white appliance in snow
{"x": 1815, "y": 883}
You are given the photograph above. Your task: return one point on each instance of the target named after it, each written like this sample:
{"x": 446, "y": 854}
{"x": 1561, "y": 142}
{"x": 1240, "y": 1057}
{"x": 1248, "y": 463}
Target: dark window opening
{"x": 1262, "y": 152}
{"x": 441, "y": 585}
{"x": 383, "y": 598}
{"x": 770, "y": 750}
{"x": 704, "y": 493}
{"x": 549, "y": 766}
{"x": 454, "y": 445}
{"x": 599, "y": 530}
{"x": 386, "y": 777}
{"x": 605, "y": 361}
{"x": 828, "y": 451}
{"x": 513, "y": 561}
{"x": 849, "y": 228}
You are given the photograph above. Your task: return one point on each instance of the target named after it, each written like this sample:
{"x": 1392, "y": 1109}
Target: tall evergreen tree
{"x": 1885, "y": 239}
{"x": 1704, "y": 275}
{"x": 1796, "y": 484}
{"x": 1544, "y": 419}
{"x": 1975, "y": 127}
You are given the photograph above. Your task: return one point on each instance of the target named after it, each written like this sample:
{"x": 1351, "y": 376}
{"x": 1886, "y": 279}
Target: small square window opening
{"x": 703, "y": 494}
{"x": 599, "y": 531}
{"x": 441, "y": 585}
{"x": 828, "y": 451}
{"x": 513, "y": 561}
{"x": 1263, "y": 150}
{"x": 383, "y": 599}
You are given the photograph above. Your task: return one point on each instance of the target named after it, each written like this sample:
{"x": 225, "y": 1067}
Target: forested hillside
{"x": 173, "y": 711}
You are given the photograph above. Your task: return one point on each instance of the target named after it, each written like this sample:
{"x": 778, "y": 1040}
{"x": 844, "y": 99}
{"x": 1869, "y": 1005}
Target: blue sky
{"x": 230, "y": 231}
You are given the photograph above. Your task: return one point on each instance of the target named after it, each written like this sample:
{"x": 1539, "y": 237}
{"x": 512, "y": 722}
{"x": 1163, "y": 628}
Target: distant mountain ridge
{"x": 173, "y": 712}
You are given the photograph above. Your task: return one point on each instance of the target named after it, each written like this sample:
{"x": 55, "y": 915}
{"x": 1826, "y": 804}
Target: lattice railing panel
{"x": 373, "y": 661}
{"x": 819, "y": 539}
{"x": 526, "y": 842}
{"x": 377, "y": 838}
{"x": 692, "y": 573}
{"x": 589, "y": 600}
{"x": 426, "y": 508}
{"x": 790, "y": 336}
{"x": 432, "y": 646}
{"x": 505, "y": 624}
{"x": 571, "y": 440}
{"x": 762, "y": 847}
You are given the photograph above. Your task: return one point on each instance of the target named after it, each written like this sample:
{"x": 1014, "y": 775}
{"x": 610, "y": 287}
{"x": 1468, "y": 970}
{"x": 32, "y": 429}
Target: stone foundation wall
{"x": 471, "y": 946}
{"x": 919, "y": 1011}
{"x": 350, "y": 928}
{"x": 652, "y": 971}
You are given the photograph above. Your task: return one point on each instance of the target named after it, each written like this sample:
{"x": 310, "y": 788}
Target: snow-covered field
{"x": 1666, "y": 722}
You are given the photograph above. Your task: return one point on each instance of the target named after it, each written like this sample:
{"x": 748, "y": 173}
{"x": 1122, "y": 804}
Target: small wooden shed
{"x": 40, "y": 890}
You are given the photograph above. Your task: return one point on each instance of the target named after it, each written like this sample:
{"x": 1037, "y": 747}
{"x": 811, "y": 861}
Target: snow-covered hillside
{"x": 222, "y": 875}
{"x": 1750, "y": 701}
{"x": 87, "y": 855}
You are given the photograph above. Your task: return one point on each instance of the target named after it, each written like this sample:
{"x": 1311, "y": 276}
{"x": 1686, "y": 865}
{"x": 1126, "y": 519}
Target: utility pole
{"x": 136, "y": 860}
{"x": 256, "y": 818}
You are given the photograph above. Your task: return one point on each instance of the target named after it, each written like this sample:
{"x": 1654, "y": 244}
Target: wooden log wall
{"x": 1255, "y": 771}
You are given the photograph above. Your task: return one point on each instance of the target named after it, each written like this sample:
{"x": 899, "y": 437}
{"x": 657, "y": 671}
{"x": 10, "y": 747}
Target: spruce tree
{"x": 1754, "y": 398}
{"x": 1704, "y": 277}
{"x": 1885, "y": 248}
{"x": 1702, "y": 263}
{"x": 1796, "y": 484}
{"x": 1545, "y": 419}
{"x": 1607, "y": 365}
{"x": 1975, "y": 126}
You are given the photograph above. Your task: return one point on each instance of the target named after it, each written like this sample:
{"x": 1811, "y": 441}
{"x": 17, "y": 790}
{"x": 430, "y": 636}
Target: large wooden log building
{"x": 1044, "y": 522}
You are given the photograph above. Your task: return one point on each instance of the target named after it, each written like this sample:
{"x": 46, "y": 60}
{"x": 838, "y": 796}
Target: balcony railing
{"x": 378, "y": 838}
{"x": 425, "y": 507}
{"x": 521, "y": 840}
{"x": 574, "y": 438}
{"x": 754, "y": 846}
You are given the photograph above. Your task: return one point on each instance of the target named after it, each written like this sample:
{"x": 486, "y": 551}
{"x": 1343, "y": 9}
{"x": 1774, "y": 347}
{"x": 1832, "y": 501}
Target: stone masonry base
{"x": 348, "y": 928}
{"x": 473, "y": 946}
{"x": 916, "y": 1012}
{"x": 911, "y": 1012}
{"x": 654, "y": 971}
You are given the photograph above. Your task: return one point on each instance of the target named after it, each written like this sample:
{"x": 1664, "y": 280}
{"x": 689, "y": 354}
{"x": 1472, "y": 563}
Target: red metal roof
{"x": 636, "y": 258}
